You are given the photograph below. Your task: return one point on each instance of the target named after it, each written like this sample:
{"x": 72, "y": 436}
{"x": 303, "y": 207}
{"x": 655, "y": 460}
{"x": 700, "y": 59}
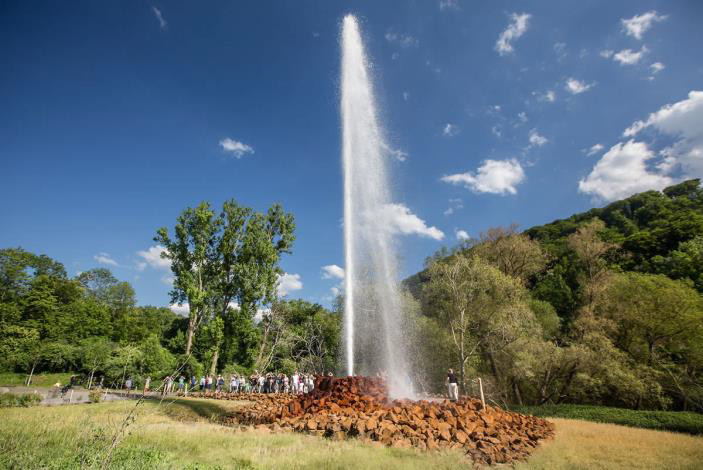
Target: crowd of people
{"x": 296, "y": 383}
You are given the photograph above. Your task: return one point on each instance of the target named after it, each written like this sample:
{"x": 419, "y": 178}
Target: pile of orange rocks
{"x": 359, "y": 407}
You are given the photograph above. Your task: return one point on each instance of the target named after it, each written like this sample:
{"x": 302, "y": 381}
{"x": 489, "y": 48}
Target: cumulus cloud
{"x": 594, "y": 149}
{"x": 516, "y": 28}
{"x": 575, "y": 86}
{"x": 639, "y": 24}
{"x": 238, "y": 149}
{"x": 623, "y": 171}
{"x": 628, "y": 167}
{"x": 629, "y": 57}
{"x": 152, "y": 257}
{"x": 450, "y": 130}
{"x": 537, "y": 140}
{"x": 332, "y": 271}
{"x": 398, "y": 219}
{"x": 681, "y": 120}
{"x": 403, "y": 40}
{"x": 183, "y": 310}
{"x": 160, "y": 17}
{"x": 607, "y": 54}
{"x": 522, "y": 117}
{"x": 105, "y": 258}
{"x": 493, "y": 176}
{"x": 288, "y": 283}
{"x": 461, "y": 235}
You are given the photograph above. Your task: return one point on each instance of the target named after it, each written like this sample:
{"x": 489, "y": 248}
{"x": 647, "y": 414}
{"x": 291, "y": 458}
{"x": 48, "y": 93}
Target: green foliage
{"x": 25, "y": 400}
{"x": 677, "y": 421}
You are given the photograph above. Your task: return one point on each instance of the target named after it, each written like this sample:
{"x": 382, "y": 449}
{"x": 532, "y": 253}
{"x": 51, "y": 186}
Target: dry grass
{"x": 584, "y": 444}
{"x": 185, "y": 434}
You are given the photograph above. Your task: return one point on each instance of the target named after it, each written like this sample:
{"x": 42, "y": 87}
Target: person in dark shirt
{"x": 452, "y": 385}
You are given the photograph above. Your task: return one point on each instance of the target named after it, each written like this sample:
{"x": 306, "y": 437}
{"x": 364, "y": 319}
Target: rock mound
{"x": 359, "y": 407}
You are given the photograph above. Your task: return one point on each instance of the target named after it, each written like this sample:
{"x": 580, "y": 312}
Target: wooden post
{"x": 480, "y": 386}
{"x": 105, "y": 397}
{"x": 70, "y": 398}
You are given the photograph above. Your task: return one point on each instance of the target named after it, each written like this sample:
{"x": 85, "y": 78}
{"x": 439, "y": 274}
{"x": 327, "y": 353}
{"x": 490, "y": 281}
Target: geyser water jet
{"x": 372, "y": 311}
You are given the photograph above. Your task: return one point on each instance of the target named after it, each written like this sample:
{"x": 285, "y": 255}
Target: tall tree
{"x": 193, "y": 261}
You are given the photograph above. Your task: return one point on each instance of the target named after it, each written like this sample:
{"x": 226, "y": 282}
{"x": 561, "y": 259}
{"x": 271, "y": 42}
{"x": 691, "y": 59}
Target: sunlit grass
{"x": 38, "y": 380}
{"x": 186, "y": 434}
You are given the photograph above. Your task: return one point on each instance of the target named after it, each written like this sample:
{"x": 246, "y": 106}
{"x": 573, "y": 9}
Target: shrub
{"x": 95, "y": 396}
{"x": 677, "y": 421}
{"x": 25, "y": 400}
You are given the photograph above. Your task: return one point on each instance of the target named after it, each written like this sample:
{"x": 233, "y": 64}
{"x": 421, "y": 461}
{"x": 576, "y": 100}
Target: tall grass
{"x": 38, "y": 380}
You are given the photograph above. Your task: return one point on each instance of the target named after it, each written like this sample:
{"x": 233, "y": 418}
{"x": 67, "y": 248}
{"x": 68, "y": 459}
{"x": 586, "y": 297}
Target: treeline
{"x": 602, "y": 308}
{"x": 226, "y": 272}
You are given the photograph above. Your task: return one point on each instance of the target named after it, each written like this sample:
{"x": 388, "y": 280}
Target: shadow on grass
{"x": 195, "y": 410}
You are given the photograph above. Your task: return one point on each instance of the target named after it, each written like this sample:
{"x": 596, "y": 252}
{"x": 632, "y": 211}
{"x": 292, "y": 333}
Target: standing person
{"x": 452, "y": 385}
{"x": 220, "y": 383}
{"x": 208, "y": 383}
{"x": 295, "y": 382}
{"x": 202, "y": 383}
{"x": 232, "y": 383}
{"x": 193, "y": 382}
{"x": 181, "y": 383}
{"x": 147, "y": 383}
{"x": 128, "y": 385}
{"x": 286, "y": 384}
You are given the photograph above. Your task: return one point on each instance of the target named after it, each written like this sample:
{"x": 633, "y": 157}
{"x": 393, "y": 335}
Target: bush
{"x": 677, "y": 421}
{"x": 95, "y": 396}
{"x": 24, "y": 400}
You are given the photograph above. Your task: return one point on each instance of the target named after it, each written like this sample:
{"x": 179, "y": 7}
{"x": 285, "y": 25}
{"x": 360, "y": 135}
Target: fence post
{"x": 70, "y": 398}
{"x": 480, "y": 386}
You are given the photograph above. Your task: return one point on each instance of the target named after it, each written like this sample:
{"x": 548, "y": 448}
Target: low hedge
{"x": 677, "y": 421}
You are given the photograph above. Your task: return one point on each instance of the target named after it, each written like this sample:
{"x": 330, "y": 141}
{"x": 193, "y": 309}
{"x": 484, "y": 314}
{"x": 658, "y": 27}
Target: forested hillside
{"x": 604, "y": 307}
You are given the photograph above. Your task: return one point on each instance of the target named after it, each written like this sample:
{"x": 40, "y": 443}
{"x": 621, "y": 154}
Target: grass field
{"x": 185, "y": 434}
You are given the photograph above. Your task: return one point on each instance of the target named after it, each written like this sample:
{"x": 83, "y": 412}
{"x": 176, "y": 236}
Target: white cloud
{"x": 448, "y": 5}
{"x": 681, "y": 120}
{"x": 398, "y": 154}
{"x": 594, "y": 149}
{"x": 623, "y": 171}
{"x": 332, "y": 271}
{"x": 515, "y": 29}
{"x": 493, "y": 176}
{"x": 398, "y": 219}
{"x": 450, "y": 130}
{"x": 657, "y": 67}
{"x": 537, "y": 140}
{"x": 522, "y": 117}
{"x": 607, "y": 54}
{"x": 182, "y": 310}
{"x": 335, "y": 291}
{"x": 239, "y": 149}
{"x": 575, "y": 87}
{"x": 639, "y": 24}
{"x": 406, "y": 95}
{"x": 289, "y": 282}
{"x": 160, "y": 17}
{"x": 403, "y": 40}
{"x": 461, "y": 235}
{"x": 152, "y": 257}
{"x": 495, "y": 130}
{"x": 167, "y": 279}
{"x": 105, "y": 258}
{"x": 548, "y": 96}
{"x": 455, "y": 204}
{"x": 629, "y": 57}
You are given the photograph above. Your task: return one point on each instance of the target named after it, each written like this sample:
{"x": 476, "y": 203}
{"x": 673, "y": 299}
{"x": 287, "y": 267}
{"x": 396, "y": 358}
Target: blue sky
{"x": 116, "y": 116}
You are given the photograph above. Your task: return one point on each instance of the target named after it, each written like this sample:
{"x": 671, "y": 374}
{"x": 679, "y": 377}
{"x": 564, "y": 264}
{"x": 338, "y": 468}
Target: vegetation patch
{"x": 25, "y": 399}
{"x": 678, "y": 421}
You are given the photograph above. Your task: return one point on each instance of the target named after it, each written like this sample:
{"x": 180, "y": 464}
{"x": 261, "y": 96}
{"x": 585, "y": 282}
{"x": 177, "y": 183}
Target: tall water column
{"x": 373, "y": 335}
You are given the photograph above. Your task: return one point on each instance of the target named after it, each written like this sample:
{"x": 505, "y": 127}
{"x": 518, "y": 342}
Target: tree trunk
{"x": 90, "y": 381}
{"x": 31, "y": 373}
{"x": 516, "y": 391}
{"x": 215, "y": 357}
{"x": 191, "y": 330}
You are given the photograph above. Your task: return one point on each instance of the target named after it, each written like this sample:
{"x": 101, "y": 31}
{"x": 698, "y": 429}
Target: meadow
{"x": 185, "y": 433}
